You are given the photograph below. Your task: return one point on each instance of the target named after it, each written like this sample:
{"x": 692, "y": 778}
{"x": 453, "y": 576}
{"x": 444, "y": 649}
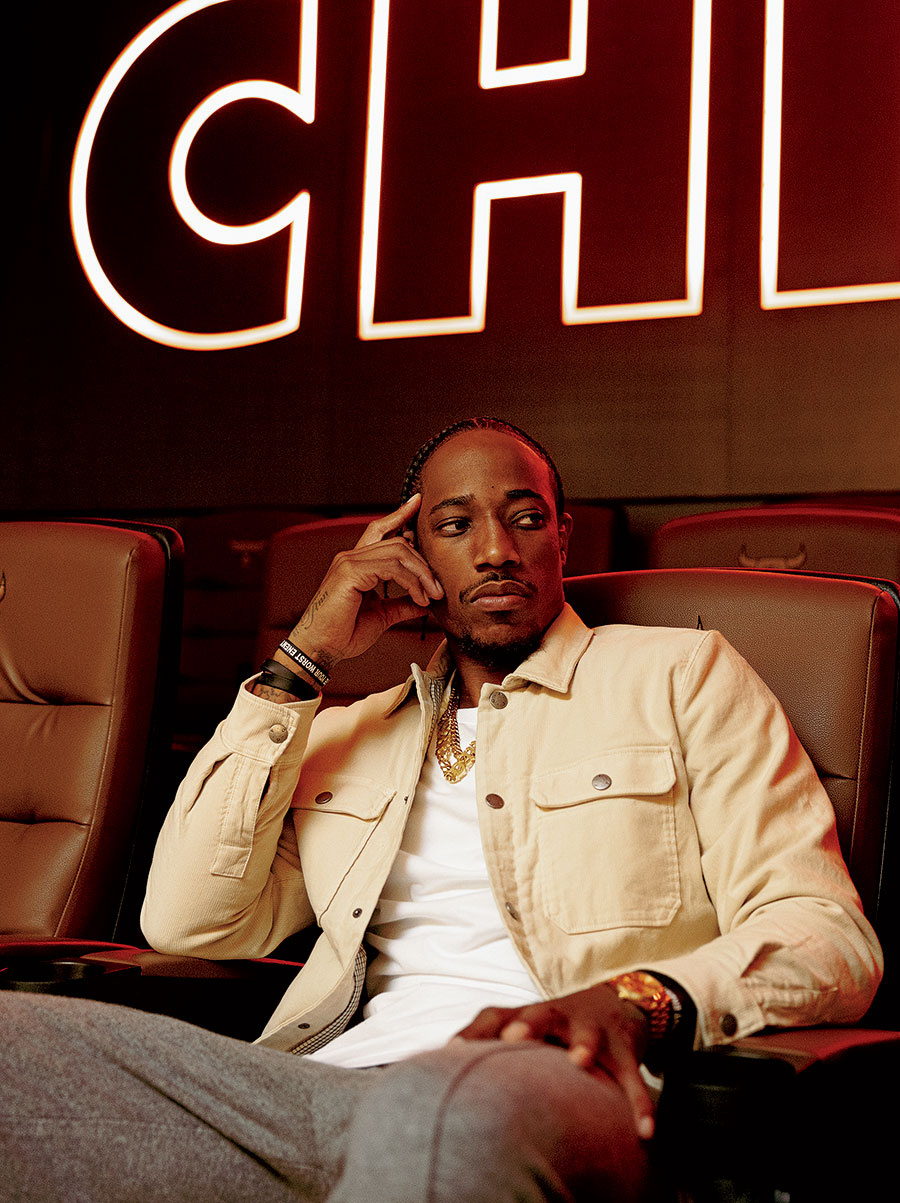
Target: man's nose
{"x": 496, "y": 546}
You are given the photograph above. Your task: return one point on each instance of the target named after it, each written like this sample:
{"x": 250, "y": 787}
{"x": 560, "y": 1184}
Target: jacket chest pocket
{"x": 607, "y": 852}
{"x": 334, "y": 816}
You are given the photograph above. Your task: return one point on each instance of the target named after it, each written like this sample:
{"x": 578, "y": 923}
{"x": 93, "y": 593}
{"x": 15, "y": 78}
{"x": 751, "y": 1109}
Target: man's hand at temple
{"x": 602, "y": 1033}
{"x": 351, "y": 610}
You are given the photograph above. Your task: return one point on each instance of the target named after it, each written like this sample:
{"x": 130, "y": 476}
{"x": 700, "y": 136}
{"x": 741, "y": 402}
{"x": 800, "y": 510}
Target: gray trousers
{"x": 101, "y": 1104}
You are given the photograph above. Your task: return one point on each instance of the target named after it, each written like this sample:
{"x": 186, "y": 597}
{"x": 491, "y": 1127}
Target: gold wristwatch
{"x": 659, "y": 1004}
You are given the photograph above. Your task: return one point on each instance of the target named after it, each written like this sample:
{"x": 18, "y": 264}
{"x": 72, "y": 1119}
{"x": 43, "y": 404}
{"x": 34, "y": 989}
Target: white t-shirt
{"x": 441, "y": 949}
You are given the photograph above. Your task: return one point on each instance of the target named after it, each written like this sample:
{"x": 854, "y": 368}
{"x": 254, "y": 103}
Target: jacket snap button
{"x": 513, "y": 913}
{"x": 499, "y": 699}
{"x": 728, "y": 1024}
{"x": 357, "y": 912}
{"x": 602, "y": 781}
{"x": 494, "y": 801}
{"x": 321, "y": 799}
{"x": 278, "y": 733}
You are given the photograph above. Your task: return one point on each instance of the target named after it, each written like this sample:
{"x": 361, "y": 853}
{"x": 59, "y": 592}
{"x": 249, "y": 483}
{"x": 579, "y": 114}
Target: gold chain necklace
{"x": 454, "y": 761}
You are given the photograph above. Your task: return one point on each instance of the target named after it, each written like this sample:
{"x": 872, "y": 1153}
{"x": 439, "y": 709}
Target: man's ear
{"x": 565, "y": 530}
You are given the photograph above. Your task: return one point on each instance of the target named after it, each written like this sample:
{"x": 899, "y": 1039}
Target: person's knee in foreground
{"x": 604, "y": 840}
{"x": 488, "y": 1121}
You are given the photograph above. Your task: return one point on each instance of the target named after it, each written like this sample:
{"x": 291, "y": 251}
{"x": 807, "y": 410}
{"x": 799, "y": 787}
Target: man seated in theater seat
{"x": 550, "y": 855}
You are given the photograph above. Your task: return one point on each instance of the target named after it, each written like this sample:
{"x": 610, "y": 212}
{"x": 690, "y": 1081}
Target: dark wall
{"x": 736, "y": 400}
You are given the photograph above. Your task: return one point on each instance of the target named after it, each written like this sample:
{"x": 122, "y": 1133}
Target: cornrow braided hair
{"x": 412, "y": 482}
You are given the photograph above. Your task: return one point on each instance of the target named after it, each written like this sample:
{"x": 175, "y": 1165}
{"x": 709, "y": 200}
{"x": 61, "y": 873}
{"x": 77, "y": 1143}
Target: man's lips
{"x": 493, "y": 593}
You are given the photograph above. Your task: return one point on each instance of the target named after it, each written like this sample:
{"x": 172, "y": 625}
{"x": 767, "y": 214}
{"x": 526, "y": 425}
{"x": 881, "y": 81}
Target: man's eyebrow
{"x": 467, "y": 499}
{"x": 515, "y": 494}
{"x": 464, "y": 499}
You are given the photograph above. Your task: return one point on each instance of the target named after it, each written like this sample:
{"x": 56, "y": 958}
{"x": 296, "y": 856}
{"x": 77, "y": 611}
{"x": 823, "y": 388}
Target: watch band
{"x": 661, "y": 1006}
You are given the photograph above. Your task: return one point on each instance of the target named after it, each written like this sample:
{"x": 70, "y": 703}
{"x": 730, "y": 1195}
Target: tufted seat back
{"x": 82, "y": 610}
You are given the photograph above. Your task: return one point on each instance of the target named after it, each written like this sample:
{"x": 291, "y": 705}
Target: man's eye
{"x": 453, "y": 526}
{"x": 531, "y": 518}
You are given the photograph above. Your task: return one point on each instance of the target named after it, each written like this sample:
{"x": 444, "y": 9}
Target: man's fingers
{"x": 632, "y": 1083}
{"x": 402, "y": 609}
{"x": 591, "y": 1043}
{"x": 386, "y": 562}
{"x": 388, "y": 534}
{"x": 518, "y": 1029}
{"x": 487, "y": 1024}
{"x": 390, "y": 524}
{"x": 535, "y": 1022}
{"x": 585, "y": 1041}
{"x": 412, "y": 575}
{"x": 591, "y": 1048}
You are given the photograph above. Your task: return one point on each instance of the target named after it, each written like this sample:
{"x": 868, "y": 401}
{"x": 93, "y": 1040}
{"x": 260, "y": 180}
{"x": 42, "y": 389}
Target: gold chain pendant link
{"x": 455, "y": 762}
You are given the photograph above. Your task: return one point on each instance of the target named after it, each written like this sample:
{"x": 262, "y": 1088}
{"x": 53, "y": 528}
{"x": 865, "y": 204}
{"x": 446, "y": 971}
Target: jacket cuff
{"x": 267, "y": 731}
{"x": 725, "y": 1006}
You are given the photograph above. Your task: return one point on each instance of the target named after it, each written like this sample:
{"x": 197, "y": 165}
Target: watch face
{"x": 650, "y": 996}
{"x": 640, "y": 985}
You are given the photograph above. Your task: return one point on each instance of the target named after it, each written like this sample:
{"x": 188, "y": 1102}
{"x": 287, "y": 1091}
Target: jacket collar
{"x": 551, "y": 666}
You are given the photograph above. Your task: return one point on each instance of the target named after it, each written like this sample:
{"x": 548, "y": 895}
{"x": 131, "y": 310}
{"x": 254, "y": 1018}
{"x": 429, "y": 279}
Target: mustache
{"x": 490, "y": 578}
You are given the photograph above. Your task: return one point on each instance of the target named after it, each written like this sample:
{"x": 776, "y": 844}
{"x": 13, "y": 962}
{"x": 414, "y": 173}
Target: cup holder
{"x": 62, "y": 975}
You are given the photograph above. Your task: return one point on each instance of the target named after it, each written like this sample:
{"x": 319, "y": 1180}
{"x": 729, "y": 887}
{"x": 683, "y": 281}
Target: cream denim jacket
{"x": 643, "y": 802}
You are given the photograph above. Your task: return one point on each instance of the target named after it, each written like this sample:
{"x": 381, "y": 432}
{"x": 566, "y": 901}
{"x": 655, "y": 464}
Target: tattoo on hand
{"x": 311, "y": 610}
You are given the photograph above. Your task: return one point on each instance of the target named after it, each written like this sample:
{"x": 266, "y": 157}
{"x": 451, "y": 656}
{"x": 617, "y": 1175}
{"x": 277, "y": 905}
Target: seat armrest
{"x": 28, "y": 946}
{"x": 234, "y": 998}
{"x": 802, "y": 1048}
{"x": 797, "y": 1110}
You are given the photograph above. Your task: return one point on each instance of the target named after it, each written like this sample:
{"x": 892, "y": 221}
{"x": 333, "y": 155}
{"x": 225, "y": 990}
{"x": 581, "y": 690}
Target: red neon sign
{"x": 292, "y": 218}
{"x": 771, "y": 295}
{"x": 569, "y": 184}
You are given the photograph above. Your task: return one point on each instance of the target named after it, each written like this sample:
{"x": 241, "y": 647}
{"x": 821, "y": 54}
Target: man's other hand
{"x": 350, "y": 609}
{"x": 601, "y": 1032}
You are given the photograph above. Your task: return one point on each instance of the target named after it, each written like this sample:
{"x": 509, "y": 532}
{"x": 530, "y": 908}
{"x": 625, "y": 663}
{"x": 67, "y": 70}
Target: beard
{"x": 495, "y": 655}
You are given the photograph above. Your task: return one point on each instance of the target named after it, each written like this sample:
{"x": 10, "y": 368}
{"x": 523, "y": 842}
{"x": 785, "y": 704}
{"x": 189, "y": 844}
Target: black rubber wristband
{"x": 276, "y": 676}
{"x": 301, "y": 658}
